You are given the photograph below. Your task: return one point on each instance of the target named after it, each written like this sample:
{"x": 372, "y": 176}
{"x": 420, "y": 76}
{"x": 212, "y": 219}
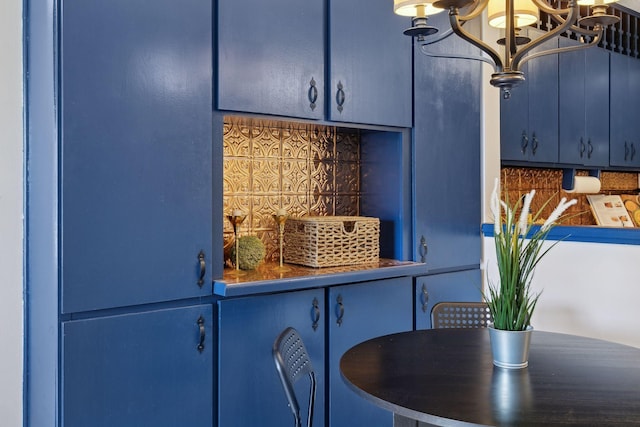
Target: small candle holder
{"x": 236, "y": 218}
{"x": 280, "y": 218}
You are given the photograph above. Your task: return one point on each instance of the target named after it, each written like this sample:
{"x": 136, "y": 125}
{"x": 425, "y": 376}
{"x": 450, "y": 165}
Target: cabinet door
{"x": 457, "y": 286}
{"x": 583, "y": 113}
{"x": 143, "y": 369}
{"x": 624, "y": 104}
{"x": 447, "y": 158}
{"x": 249, "y": 389}
{"x": 370, "y": 64}
{"x": 136, "y": 152}
{"x": 271, "y": 57}
{"x": 529, "y": 118}
{"x": 357, "y": 313}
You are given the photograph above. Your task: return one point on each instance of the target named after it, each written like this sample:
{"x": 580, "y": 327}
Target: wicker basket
{"x": 329, "y": 241}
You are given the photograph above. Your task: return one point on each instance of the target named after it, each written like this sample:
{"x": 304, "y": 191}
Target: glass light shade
{"x": 595, "y": 2}
{"x": 525, "y": 13}
{"x": 415, "y": 8}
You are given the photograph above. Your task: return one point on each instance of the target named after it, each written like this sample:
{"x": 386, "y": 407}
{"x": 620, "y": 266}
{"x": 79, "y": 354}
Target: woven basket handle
{"x": 350, "y": 227}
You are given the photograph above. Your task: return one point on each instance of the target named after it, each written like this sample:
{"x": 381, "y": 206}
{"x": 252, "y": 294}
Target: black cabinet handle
{"x": 590, "y": 149}
{"x": 339, "y": 310}
{"x": 312, "y": 94}
{"x": 203, "y": 268}
{"x": 340, "y": 97}
{"x": 315, "y": 313}
{"x": 524, "y": 142}
{"x": 423, "y": 249}
{"x": 633, "y": 151}
{"x": 202, "y": 334}
{"x": 626, "y": 151}
{"x": 582, "y": 147}
{"x": 424, "y": 298}
{"x": 534, "y": 144}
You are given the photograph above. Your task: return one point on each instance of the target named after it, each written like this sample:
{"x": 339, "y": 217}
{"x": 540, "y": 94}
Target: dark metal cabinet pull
{"x": 424, "y": 298}
{"x": 633, "y": 151}
{"x": 423, "y": 249}
{"x": 626, "y": 151}
{"x": 203, "y": 334}
{"x": 312, "y": 94}
{"x": 203, "y": 268}
{"x": 582, "y": 147}
{"x": 339, "y": 310}
{"x": 534, "y": 144}
{"x": 340, "y": 97}
{"x": 590, "y": 149}
{"x": 524, "y": 142}
{"x": 315, "y": 313}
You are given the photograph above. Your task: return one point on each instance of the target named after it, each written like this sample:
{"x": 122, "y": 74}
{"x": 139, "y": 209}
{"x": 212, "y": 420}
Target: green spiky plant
{"x": 519, "y": 249}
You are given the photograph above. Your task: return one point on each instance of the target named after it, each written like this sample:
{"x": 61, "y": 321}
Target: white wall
{"x": 11, "y": 214}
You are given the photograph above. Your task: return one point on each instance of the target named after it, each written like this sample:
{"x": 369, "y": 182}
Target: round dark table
{"x": 446, "y": 377}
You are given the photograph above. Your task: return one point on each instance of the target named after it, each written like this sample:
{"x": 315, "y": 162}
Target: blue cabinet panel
{"x": 357, "y": 313}
{"x": 529, "y": 118}
{"x": 370, "y": 64}
{"x": 249, "y": 389}
{"x": 457, "y": 286}
{"x": 447, "y": 158}
{"x": 136, "y": 151}
{"x": 139, "y": 369}
{"x": 271, "y": 57}
{"x": 624, "y": 105}
{"x": 584, "y": 106}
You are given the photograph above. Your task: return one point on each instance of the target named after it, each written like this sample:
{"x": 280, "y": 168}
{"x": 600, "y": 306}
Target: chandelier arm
{"x": 594, "y": 42}
{"x": 457, "y": 28}
{"x": 477, "y": 8}
{"x": 544, "y": 6}
{"x": 518, "y": 57}
{"x": 458, "y": 56}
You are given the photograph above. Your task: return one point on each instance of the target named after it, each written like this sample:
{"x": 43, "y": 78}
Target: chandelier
{"x": 512, "y": 16}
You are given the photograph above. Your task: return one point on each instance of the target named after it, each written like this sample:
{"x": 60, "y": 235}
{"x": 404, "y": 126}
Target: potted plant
{"x": 519, "y": 249}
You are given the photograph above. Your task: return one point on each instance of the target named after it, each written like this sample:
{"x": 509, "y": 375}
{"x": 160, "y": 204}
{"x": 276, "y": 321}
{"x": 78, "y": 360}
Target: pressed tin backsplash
{"x": 305, "y": 168}
{"x": 516, "y": 182}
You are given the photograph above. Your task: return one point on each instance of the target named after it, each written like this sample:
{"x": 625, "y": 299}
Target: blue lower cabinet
{"x": 463, "y": 285}
{"x": 140, "y": 369}
{"x": 357, "y": 313}
{"x": 249, "y": 389}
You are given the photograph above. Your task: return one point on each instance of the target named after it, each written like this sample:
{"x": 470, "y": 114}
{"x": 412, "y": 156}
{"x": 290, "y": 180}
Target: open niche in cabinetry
{"x": 312, "y": 169}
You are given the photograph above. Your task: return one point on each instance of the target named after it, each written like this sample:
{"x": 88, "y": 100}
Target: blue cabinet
{"x": 136, "y": 152}
{"x": 446, "y": 170}
{"x": 624, "y": 105}
{"x": 369, "y": 64}
{"x": 529, "y": 118}
{"x": 465, "y": 285}
{"x": 357, "y": 313}
{"x": 584, "y": 106}
{"x": 271, "y": 60}
{"x": 139, "y": 369}
{"x": 249, "y": 389}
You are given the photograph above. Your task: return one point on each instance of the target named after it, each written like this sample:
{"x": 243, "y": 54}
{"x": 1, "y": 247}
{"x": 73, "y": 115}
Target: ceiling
{"x": 631, "y": 4}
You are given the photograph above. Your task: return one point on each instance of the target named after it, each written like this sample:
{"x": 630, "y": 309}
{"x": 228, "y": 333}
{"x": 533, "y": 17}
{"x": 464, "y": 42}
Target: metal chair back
{"x": 460, "y": 315}
{"x": 293, "y": 363}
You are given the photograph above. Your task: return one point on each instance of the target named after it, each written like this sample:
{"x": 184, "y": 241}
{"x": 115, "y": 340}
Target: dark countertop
{"x": 266, "y": 279}
{"x": 586, "y": 233}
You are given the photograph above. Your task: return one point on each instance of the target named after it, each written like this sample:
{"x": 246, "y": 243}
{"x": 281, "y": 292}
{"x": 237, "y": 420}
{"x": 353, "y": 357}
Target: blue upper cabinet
{"x": 447, "y": 156}
{"x": 271, "y": 57}
{"x": 370, "y": 63}
{"x": 529, "y": 118}
{"x": 584, "y": 106}
{"x": 625, "y": 104}
{"x": 271, "y": 60}
{"x": 136, "y": 152}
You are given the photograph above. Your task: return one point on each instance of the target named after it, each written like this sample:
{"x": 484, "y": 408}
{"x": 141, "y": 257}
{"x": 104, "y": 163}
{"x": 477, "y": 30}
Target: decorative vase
{"x": 510, "y": 349}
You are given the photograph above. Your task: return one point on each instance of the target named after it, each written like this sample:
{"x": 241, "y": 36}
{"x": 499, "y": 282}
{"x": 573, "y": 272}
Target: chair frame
{"x": 459, "y": 315}
{"x": 293, "y": 363}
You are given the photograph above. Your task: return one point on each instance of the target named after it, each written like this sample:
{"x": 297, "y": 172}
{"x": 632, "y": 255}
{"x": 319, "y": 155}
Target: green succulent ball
{"x": 251, "y": 252}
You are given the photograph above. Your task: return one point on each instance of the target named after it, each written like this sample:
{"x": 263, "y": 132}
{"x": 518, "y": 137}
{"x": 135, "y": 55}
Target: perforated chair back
{"x": 460, "y": 315}
{"x": 293, "y": 364}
